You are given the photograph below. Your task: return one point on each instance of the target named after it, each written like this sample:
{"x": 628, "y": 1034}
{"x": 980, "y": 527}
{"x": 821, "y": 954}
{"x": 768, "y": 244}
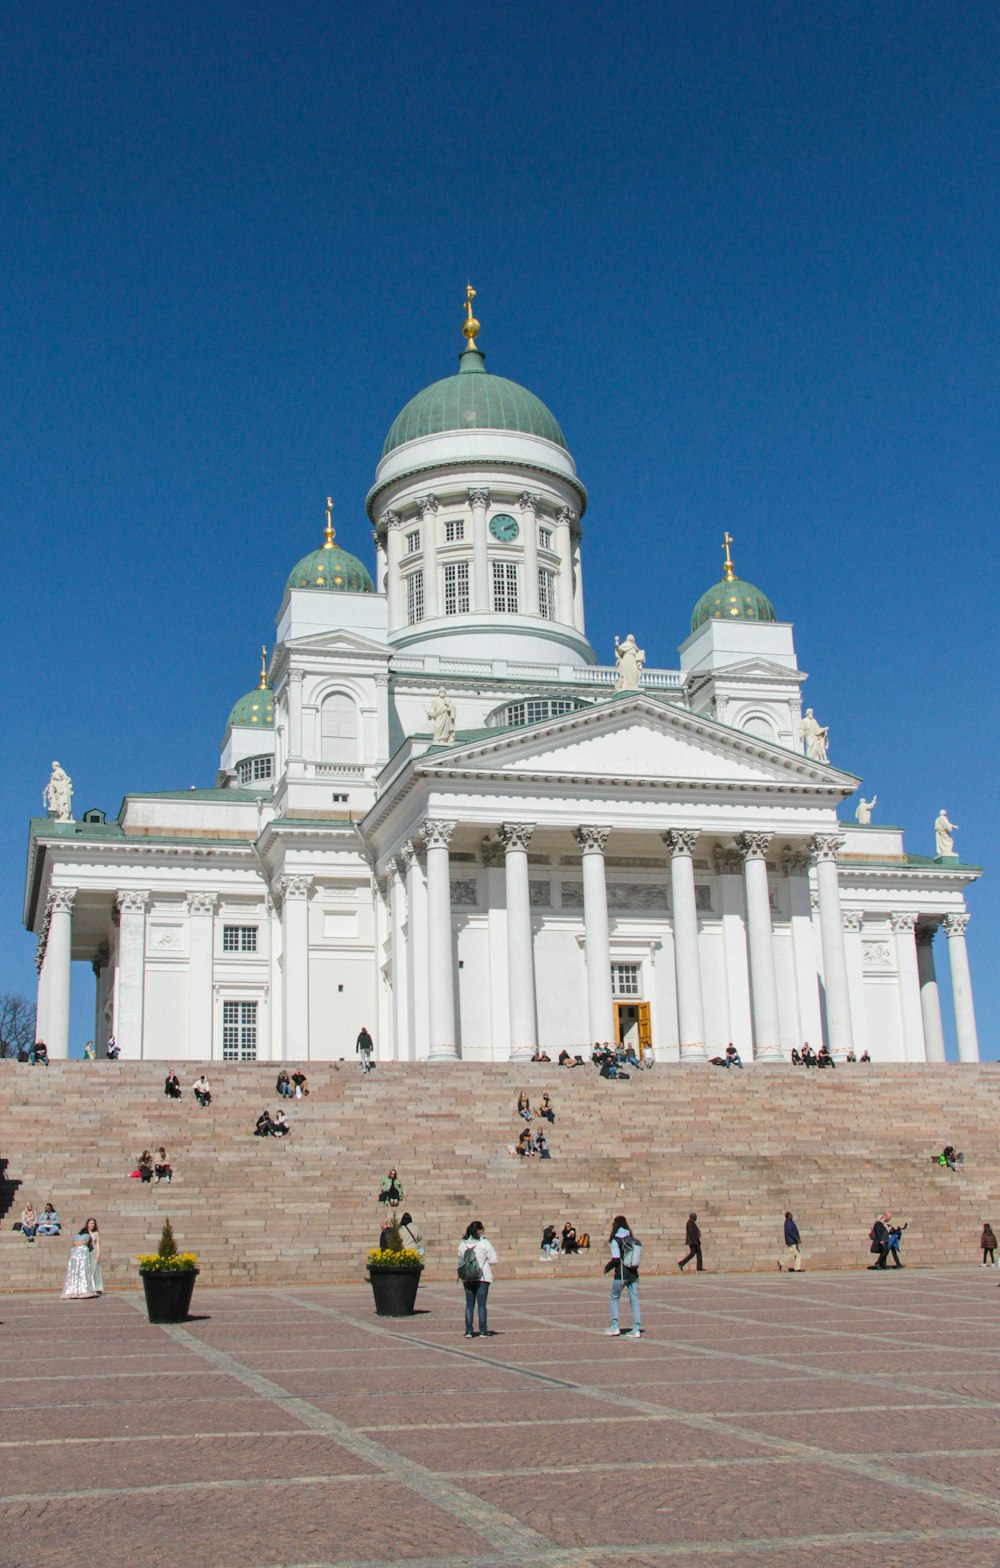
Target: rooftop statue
{"x": 943, "y": 829}
{"x": 629, "y": 661}
{"x": 815, "y": 737}
{"x": 57, "y": 796}
{"x": 863, "y": 814}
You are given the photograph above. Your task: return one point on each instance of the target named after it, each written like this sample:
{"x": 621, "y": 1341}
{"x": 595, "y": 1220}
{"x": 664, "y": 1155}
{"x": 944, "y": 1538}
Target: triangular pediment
{"x": 642, "y": 739}
{"x": 759, "y": 669}
{"x": 338, "y": 641}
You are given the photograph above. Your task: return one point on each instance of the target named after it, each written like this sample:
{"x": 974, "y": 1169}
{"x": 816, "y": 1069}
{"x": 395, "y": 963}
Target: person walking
{"x": 879, "y": 1236}
{"x": 692, "y": 1240}
{"x": 365, "y": 1045}
{"x": 895, "y": 1237}
{"x": 476, "y": 1258}
{"x": 792, "y": 1261}
{"x": 988, "y": 1242}
{"x": 624, "y": 1265}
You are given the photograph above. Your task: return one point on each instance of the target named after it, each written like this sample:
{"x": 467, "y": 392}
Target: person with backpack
{"x": 476, "y": 1258}
{"x": 988, "y": 1242}
{"x": 626, "y": 1252}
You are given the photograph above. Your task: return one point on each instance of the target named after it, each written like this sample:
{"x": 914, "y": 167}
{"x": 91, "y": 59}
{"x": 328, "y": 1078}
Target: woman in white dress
{"x": 79, "y": 1270}
{"x": 95, "y": 1257}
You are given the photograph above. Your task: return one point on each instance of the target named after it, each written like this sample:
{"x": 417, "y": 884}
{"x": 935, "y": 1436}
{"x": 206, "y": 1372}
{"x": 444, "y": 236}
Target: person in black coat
{"x": 692, "y": 1238}
{"x": 880, "y": 1242}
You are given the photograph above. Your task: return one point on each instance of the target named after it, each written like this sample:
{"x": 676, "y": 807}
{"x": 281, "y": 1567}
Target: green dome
{"x": 255, "y": 709}
{"x": 731, "y": 599}
{"x": 331, "y": 568}
{"x": 472, "y": 400}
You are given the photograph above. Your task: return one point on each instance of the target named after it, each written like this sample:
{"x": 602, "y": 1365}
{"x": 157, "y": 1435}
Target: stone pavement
{"x": 824, "y": 1421}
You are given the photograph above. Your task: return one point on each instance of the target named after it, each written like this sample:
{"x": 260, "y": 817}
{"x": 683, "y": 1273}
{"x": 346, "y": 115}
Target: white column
{"x": 440, "y": 941}
{"x": 810, "y": 1021}
{"x": 852, "y": 921}
{"x": 416, "y": 951}
{"x": 98, "y": 966}
{"x": 529, "y": 505}
{"x": 680, "y": 844}
{"x": 397, "y": 926}
{"x": 479, "y": 500}
{"x": 58, "y": 953}
{"x": 597, "y": 936}
{"x": 577, "y": 580}
{"x": 904, "y": 926}
{"x": 294, "y": 894}
{"x": 132, "y": 906}
{"x": 839, "y": 1020}
{"x": 494, "y": 860}
{"x": 295, "y": 678}
{"x": 930, "y": 998}
{"x": 391, "y": 522}
{"x": 961, "y": 988}
{"x": 427, "y": 506}
{"x": 566, "y": 521}
{"x": 380, "y": 561}
{"x": 760, "y": 938}
{"x": 729, "y": 869}
{"x": 42, "y": 1003}
{"x": 201, "y": 929}
{"x": 515, "y": 838}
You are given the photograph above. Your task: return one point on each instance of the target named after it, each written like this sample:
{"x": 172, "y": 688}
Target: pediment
{"x": 641, "y": 739}
{"x": 758, "y": 669}
{"x": 339, "y": 641}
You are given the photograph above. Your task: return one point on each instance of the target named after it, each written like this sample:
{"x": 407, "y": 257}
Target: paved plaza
{"x": 824, "y": 1421}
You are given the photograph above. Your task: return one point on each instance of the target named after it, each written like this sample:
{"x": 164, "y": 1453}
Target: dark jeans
{"x": 475, "y": 1295}
{"x": 988, "y": 1254}
{"x": 694, "y": 1253}
{"x": 203, "y": 1097}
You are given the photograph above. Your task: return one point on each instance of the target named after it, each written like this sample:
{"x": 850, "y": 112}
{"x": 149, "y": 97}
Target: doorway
{"x": 633, "y": 1026}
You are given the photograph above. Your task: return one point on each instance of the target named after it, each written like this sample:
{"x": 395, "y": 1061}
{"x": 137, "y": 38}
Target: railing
{"x": 512, "y": 669}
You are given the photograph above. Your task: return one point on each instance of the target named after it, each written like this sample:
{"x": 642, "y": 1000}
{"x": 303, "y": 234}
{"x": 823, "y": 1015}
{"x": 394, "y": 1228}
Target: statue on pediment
{"x": 629, "y": 660}
{"x": 57, "y": 796}
{"x": 442, "y": 715}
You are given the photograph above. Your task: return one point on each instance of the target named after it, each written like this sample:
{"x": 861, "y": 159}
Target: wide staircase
{"x": 738, "y": 1147}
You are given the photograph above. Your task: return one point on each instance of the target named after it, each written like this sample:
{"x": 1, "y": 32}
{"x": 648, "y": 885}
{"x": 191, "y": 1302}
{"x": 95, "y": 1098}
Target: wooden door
{"x": 645, "y": 1028}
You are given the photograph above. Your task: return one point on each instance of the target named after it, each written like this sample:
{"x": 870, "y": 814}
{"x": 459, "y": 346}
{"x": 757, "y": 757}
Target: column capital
{"x": 409, "y": 855}
{"x": 903, "y": 921}
{"x": 955, "y": 925}
{"x": 754, "y": 846}
{"x": 492, "y": 851}
{"x": 680, "y": 841}
{"x": 296, "y": 677}
{"x": 824, "y": 846}
{"x": 479, "y": 496}
{"x": 61, "y": 900}
{"x": 529, "y": 502}
{"x": 851, "y": 919}
{"x": 132, "y": 901}
{"x": 427, "y": 503}
{"x": 591, "y": 839}
{"x": 293, "y": 887}
{"x": 201, "y": 903}
{"x": 795, "y": 861}
{"x": 515, "y": 835}
{"x": 728, "y": 862}
{"x": 436, "y": 835}
{"x": 926, "y": 934}
{"x": 567, "y": 517}
{"x": 394, "y": 870}
{"x": 389, "y": 519}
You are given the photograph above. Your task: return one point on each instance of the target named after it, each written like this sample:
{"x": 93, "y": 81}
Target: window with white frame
{"x": 545, "y": 538}
{"x": 252, "y": 769}
{"x": 239, "y": 1031}
{"x": 454, "y": 530}
{"x": 505, "y": 586}
{"x": 413, "y": 542}
{"x": 625, "y": 979}
{"x": 239, "y": 939}
{"x": 415, "y": 597}
{"x": 546, "y": 594}
{"x": 456, "y": 588}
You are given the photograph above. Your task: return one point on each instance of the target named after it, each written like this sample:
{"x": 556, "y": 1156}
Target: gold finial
{"x": 729, "y": 571}
{"x": 330, "y": 533}
{"x": 263, "y": 668}
{"x": 470, "y": 327}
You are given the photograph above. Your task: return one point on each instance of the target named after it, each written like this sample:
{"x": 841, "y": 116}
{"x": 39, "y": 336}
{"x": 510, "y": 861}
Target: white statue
{"x": 815, "y": 736}
{"x": 863, "y": 814}
{"x": 943, "y": 829}
{"x": 443, "y": 715}
{"x": 57, "y": 795}
{"x": 629, "y": 661}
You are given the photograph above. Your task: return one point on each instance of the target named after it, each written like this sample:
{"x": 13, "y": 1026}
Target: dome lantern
{"x": 330, "y": 567}
{"x": 256, "y": 709}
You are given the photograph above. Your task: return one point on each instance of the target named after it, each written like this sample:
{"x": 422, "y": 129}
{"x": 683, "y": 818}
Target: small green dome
{"x": 331, "y": 568}
{"x": 472, "y": 400}
{"x": 731, "y": 599}
{"x": 255, "y": 710}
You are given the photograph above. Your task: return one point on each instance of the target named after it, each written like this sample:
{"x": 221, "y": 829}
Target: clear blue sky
{"x": 747, "y": 253}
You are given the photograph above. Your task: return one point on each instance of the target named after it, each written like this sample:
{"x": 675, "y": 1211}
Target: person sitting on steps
{"x": 283, "y": 1085}
{"x": 145, "y": 1166}
{"x": 162, "y": 1166}
{"x": 569, "y": 1241}
{"x": 264, "y": 1126}
{"x": 172, "y": 1086}
{"x": 391, "y": 1190}
{"x": 202, "y": 1092}
{"x": 279, "y": 1125}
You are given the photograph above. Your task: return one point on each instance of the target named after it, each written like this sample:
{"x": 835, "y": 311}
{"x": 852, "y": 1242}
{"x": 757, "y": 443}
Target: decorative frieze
{"x": 728, "y": 863}
{"x": 464, "y": 893}
{"x": 540, "y": 893}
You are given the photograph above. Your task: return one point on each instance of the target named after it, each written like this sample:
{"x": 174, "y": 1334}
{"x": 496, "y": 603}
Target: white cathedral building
{"x": 439, "y": 816}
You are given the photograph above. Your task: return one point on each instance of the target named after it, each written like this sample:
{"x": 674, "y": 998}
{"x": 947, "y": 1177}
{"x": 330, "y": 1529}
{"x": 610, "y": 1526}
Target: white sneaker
{"x": 635, "y": 1333}
{"x": 614, "y": 1332}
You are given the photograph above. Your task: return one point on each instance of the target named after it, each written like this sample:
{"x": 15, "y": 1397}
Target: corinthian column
{"x": 294, "y": 894}
{"x": 397, "y": 916}
{"x": 479, "y": 500}
{"x": 930, "y": 997}
{"x": 440, "y": 963}
{"x": 390, "y": 521}
{"x": 427, "y": 506}
{"x": 839, "y": 1023}
{"x": 515, "y": 838}
{"x": 200, "y": 911}
{"x": 58, "y": 954}
{"x": 597, "y": 937}
{"x": 904, "y": 926}
{"x": 529, "y": 505}
{"x": 961, "y": 988}
{"x": 132, "y": 906}
{"x": 763, "y": 982}
{"x": 566, "y": 521}
{"x": 680, "y": 844}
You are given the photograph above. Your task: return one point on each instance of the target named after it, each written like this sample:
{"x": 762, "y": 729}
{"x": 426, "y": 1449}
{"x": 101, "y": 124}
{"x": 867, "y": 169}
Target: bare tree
{"x": 17, "y": 1024}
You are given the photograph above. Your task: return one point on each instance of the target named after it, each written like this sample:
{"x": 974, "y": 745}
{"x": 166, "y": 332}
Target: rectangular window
{"x": 456, "y": 588}
{"x": 413, "y": 542}
{"x": 625, "y": 979}
{"x": 546, "y": 594}
{"x": 239, "y": 1031}
{"x": 454, "y": 530}
{"x": 239, "y": 939}
{"x": 415, "y": 597}
{"x": 505, "y": 587}
{"x": 545, "y": 538}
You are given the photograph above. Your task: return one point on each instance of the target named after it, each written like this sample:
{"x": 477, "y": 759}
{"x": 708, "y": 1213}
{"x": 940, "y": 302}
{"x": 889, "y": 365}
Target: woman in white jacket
{"x": 476, "y": 1253}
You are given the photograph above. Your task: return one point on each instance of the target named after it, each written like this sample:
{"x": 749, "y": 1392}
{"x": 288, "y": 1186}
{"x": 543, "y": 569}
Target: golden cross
{"x": 470, "y": 295}
{"x": 727, "y": 540}
{"x": 330, "y": 535}
{"x": 263, "y": 666}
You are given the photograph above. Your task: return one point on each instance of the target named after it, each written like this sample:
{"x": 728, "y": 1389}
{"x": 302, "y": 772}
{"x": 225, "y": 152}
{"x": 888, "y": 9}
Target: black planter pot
{"x": 168, "y": 1295}
{"x": 395, "y": 1289}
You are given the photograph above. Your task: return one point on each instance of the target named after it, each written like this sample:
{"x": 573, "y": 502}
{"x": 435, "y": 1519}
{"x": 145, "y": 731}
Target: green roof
{"x": 732, "y": 599}
{"x": 256, "y": 708}
{"x": 473, "y": 400}
{"x": 333, "y": 569}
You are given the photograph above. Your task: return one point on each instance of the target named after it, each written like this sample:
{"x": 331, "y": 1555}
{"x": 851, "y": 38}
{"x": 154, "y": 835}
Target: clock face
{"x": 504, "y": 527}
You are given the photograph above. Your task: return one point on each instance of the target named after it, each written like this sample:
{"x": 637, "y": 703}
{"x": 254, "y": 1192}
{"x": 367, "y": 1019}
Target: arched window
{"x": 338, "y": 729}
{"x": 760, "y": 726}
